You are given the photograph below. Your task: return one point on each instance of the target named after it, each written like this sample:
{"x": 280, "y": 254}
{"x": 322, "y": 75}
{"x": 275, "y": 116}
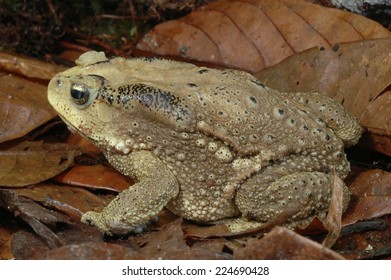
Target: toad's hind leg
{"x": 344, "y": 125}
{"x": 291, "y": 199}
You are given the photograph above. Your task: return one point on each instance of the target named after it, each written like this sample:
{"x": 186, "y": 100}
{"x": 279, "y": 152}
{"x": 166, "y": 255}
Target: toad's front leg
{"x": 133, "y": 208}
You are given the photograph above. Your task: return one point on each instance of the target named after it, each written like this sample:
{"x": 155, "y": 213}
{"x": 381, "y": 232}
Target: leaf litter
{"x": 78, "y": 241}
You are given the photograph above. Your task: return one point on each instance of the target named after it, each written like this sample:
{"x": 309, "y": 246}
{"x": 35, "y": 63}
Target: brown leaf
{"x": 255, "y": 34}
{"x": 85, "y": 145}
{"x": 371, "y": 196}
{"x": 210, "y": 249}
{"x": 5, "y": 244}
{"x": 96, "y": 177}
{"x": 23, "y": 107}
{"x": 33, "y": 162}
{"x": 33, "y": 214}
{"x": 196, "y": 231}
{"x": 98, "y": 250}
{"x": 355, "y": 74}
{"x": 26, "y": 245}
{"x": 167, "y": 243}
{"x": 28, "y": 67}
{"x": 281, "y": 244}
{"x": 70, "y": 200}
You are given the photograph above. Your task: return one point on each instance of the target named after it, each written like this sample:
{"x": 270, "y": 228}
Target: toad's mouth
{"x": 86, "y": 133}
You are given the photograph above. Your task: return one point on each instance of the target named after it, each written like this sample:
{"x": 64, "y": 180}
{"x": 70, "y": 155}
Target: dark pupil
{"x": 80, "y": 94}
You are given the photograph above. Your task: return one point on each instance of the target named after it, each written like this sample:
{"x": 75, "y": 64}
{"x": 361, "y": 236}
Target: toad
{"x": 208, "y": 144}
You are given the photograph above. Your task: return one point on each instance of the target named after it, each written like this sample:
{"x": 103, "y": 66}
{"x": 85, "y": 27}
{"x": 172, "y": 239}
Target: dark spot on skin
{"x": 271, "y": 137}
{"x": 322, "y": 48}
{"x": 152, "y": 98}
{"x": 110, "y": 99}
{"x": 202, "y": 71}
{"x": 148, "y": 59}
{"x": 280, "y": 111}
{"x": 192, "y": 85}
{"x": 253, "y": 99}
{"x": 335, "y": 47}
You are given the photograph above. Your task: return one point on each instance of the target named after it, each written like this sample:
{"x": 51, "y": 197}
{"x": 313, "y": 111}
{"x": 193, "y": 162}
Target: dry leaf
{"x": 33, "y": 214}
{"x": 28, "y": 67}
{"x": 70, "y": 200}
{"x": 255, "y": 34}
{"x": 371, "y": 196}
{"x": 96, "y": 177}
{"x": 284, "y": 244}
{"x": 167, "y": 243}
{"x": 23, "y": 107}
{"x": 33, "y": 162}
{"x": 98, "y": 250}
{"x": 5, "y": 244}
{"x": 26, "y": 245}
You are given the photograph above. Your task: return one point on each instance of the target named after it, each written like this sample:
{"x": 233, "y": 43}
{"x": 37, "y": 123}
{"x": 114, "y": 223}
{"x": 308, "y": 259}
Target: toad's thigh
{"x": 298, "y": 196}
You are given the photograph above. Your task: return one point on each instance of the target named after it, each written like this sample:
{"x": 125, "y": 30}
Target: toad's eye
{"x": 80, "y": 94}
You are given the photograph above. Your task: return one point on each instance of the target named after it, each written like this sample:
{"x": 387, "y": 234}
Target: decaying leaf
{"x": 91, "y": 251}
{"x": 23, "y": 107}
{"x": 5, "y": 244}
{"x": 167, "y": 243}
{"x": 284, "y": 244}
{"x": 371, "y": 196}
{"x": 255, "y": 34}
{"x": 95, "y": 176}
{"x": 355, "y": 74}
{"x": 28, "y": 67}
{"x": 73, "y": 201}
{"x": 26, "y": 245}
{"x": 33, "y": 162}
{"x": 33, "y": 214}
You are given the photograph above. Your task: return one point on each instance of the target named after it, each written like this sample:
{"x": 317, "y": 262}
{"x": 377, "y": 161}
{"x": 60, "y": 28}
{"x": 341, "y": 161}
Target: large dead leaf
{"x": 23, "y": 107}
{"x": 255, "y": 34}
{"x": 355, "y": 74}
{"x": 33, "y": 162}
